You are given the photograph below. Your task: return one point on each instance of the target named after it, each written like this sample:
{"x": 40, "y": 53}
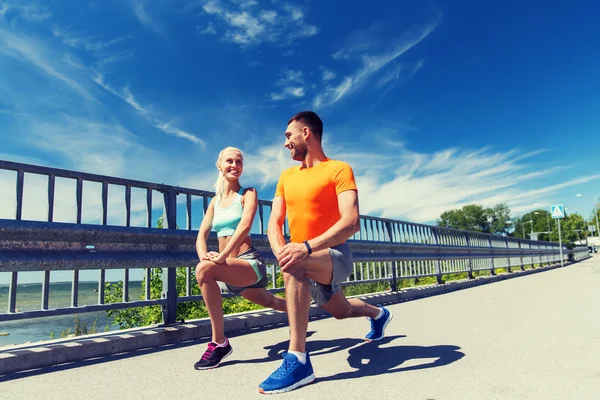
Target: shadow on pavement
{"x": 370, "y": 359}
{"x": 367, "y": 358}
{"x": 315, "y": 348}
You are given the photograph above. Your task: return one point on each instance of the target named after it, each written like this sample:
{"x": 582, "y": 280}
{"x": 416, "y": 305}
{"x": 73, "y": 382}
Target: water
{"x": 29, "y": 297}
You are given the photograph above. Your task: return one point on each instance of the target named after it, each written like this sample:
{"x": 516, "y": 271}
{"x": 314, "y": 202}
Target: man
{"x": 321, "y": 201}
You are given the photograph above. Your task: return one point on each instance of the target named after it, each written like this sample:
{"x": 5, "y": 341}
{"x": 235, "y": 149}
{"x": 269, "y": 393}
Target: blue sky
{"x": 435, "y": 104}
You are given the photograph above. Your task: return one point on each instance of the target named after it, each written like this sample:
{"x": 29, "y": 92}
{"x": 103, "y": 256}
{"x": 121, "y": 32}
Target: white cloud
{"x": 331, "y": 94}
{"x": 145, "y": 19}
{"x": 269, "y": 16}
{"x": 266, "y": 164}
{"x": 167, "y": 127}
{"x": 207, "y": 30}
{"x": 248, "y": 28}
{"x": 245, "y": 3}
{"x": 358, "y": 46}
{"x": 290, "y": 76}
{"x": 327, "y": 74}
{"x": 292, "y": 84}
{"x": 391, "y": 75}
{"x": 212, "y": 7}
{"x": 114, "y": 58}
{"x": 246, "y": 24}
{"x": 288, "y": 92}
{"x": 295, "y": 13}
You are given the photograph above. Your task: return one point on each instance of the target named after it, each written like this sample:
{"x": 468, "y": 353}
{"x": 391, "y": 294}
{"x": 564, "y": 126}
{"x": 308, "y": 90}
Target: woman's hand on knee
{"x": 210, "y": 255}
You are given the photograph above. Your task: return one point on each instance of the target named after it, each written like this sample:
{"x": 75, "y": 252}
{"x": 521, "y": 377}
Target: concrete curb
{"x": 60, "y": 351}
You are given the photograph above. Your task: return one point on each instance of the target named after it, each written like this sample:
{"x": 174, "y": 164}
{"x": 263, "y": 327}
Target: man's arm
{"x": 276, "y": 220}
{"x": 345, "y": 227}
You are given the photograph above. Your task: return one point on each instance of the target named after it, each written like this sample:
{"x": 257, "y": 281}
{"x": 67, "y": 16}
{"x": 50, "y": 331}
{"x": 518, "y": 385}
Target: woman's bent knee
{"x": 203, "y": 270}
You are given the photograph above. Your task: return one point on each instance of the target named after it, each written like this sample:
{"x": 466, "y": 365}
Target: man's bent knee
{"x": 340, "y": 313}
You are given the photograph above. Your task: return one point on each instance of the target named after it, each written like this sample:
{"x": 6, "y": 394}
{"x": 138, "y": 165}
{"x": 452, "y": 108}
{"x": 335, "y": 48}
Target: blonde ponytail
{"x": 218, "y": 187}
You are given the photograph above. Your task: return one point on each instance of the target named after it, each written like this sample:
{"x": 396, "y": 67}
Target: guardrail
{"x": 383, "y": 249}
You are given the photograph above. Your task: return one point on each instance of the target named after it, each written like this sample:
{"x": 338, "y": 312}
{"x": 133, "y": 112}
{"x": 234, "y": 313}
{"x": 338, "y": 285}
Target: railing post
{"x": 438, "y": 264}
{"x": 394, "y": 264}
{"x": 509, "y": 267}
{"x": 470, "y": 272}
{"x": 169, "y": 290}
{"x": 521, "y": 257}
{"x": 493, "y": 270}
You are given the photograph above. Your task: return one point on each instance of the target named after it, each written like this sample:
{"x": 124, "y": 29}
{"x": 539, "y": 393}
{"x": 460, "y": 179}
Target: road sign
{"x": 592, "y": 228}
{"x": 557, "y": 211}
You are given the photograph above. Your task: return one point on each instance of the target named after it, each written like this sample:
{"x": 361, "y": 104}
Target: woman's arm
{"x": 204, "y": 231}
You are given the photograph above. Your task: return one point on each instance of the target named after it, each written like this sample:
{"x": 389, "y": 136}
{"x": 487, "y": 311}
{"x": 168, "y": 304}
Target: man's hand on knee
{"x": 291, "y": 254}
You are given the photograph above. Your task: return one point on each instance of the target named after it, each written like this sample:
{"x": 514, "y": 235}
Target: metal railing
{"x": 383, "y": 249}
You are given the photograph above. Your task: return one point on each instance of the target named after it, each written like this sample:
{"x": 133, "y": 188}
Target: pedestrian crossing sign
{"x": 557, "y": 211}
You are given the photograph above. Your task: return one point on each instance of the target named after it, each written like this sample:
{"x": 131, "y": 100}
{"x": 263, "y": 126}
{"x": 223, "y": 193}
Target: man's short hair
{"x": 310, "y": 119}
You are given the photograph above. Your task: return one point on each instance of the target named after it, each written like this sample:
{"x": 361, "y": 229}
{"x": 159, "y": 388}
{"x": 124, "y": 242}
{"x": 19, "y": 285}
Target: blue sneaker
{"x": 289, "y": 376}
{"x": 378, "y": 326}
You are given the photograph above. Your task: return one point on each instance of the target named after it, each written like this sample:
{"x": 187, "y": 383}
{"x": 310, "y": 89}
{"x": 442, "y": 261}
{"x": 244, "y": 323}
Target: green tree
{"x": 573, "y": 229}
{"x": 499, "y": 216}
{"x": 472, "y": 217}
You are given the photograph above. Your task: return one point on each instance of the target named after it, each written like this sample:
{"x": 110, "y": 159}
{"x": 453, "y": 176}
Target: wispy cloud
{"x": 167, "y": 127}
{"x": 360, "y": 47}
{"x": 141, "y": 13}
{"x": 245, "y": 23}
{"x": 291, "y": 83}
{"x": 29, "y": 51}
{"x": 89, "y": 43}
{"x": 266, "y": 164}
{"x": 208, "y": 29}
{"x": 90, "y": 145}
{"x": 30, "y": 11}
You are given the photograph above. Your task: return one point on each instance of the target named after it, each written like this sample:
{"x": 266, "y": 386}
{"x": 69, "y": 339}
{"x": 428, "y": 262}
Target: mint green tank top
{"x": 225, "y": 220}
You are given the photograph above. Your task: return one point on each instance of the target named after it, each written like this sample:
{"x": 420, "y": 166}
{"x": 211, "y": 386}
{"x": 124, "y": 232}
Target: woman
{"x": 237, "y": 264}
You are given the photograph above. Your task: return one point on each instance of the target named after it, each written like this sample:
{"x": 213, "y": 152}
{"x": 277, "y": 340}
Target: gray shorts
{"x": 342, "y": 267}
{"x": 258, "y": 265}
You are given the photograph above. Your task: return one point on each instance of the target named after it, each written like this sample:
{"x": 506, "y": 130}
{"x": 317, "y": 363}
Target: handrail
{"x": 383, "y": 249}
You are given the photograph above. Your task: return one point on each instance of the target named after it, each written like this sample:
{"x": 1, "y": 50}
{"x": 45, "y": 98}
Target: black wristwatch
{"x": 308, "y": 247}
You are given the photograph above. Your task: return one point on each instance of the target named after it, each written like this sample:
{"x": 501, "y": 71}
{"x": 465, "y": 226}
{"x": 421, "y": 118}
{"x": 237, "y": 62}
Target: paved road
{"x": 535, "y": 337}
